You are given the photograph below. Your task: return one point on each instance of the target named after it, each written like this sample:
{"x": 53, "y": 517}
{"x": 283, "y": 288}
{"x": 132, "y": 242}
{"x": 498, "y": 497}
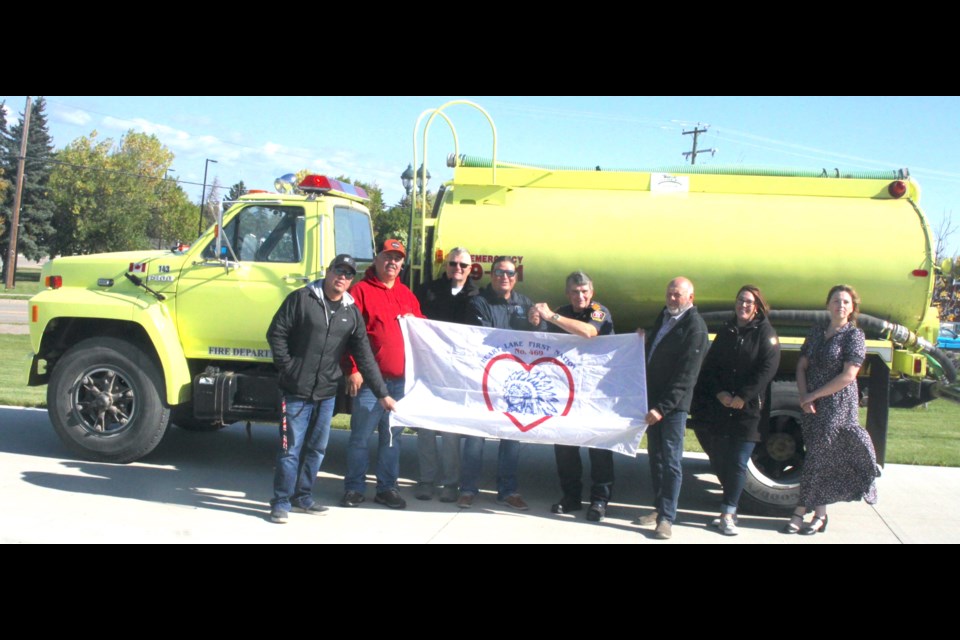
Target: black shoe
{"x": 566, "y": 505}
{"x": 391, "y": 498}
{"x": 817, "y": 525}
{"x": 352, "y": 499}
{"x": 314, "y": 509}
{"x": 598, "y": 509}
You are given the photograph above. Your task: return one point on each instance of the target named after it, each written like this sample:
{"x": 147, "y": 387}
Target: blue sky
{"x": 256, "y": 139}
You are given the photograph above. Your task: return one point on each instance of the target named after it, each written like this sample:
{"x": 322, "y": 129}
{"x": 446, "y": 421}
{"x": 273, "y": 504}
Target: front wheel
{"x": 105, "y": 400}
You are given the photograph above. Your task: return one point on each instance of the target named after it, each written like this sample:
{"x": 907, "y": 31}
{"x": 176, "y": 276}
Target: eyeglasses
{"x": 344, "y": 273}
{"x": 746, "y": 303}
{"x": 462, "y": 265}
{"x": 504, "y": 272}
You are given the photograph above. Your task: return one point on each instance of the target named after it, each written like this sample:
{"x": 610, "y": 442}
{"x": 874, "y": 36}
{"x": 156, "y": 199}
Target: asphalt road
{"x": 215, "y": 488}
{"x": 13, "y": 316}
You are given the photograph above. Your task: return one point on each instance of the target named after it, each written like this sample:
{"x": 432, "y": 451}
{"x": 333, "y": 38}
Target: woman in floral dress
{"x": 840, "y": 464}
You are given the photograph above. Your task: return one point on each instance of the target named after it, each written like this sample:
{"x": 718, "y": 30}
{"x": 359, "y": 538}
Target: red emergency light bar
{"x": 323, "y": 184}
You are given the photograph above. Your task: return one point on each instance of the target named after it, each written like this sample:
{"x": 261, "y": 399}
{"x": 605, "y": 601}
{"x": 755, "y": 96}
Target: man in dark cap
{"x": 310, "y": 333}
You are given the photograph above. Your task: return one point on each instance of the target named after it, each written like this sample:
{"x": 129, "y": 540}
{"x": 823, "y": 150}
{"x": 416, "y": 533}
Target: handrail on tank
{"x": 456, "y": 149}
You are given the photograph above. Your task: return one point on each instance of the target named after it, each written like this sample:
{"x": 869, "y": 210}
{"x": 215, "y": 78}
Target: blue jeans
{"x": 665, "y": 449}
{"x": 367, "y": 416}
{"x": 508, "y": 460}
{"x": 732, "y": 455}
{"x": 304, "y": 433}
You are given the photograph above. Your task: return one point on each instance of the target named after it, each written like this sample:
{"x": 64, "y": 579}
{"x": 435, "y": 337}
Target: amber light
{"x": 34, "y": 313}
{"x": 438, "y": 256}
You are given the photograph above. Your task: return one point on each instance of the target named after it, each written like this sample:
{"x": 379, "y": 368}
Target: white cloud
{"x": 71, "y": 116}
{"x": 272, "y": 148}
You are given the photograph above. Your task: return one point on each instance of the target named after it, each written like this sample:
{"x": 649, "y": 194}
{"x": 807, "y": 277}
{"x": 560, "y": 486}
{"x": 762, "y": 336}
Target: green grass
{"x": 25, "y": 284}
{"x": 14, "y": 359}
{"x": 925, "y": 435}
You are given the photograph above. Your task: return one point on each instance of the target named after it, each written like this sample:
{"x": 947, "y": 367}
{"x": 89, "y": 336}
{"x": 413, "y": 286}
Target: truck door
{"x": 224, "y": 306}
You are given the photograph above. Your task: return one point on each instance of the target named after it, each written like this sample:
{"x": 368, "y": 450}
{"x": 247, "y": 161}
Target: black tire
{"x": 773, "y": 474}
{"x": 106, "y": 400}
{"x": 182, "y": 416}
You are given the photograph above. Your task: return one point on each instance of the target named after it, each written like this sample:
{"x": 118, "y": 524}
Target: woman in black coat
{"x": 730, "y": 392}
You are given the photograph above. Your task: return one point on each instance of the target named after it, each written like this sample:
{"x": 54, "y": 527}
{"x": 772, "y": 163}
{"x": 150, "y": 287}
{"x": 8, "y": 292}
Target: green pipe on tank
{"x": 477, "y": 162}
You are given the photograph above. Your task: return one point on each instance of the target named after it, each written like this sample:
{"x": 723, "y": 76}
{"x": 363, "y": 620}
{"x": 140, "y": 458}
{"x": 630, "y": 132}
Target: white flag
{"x": 551, "y": 388}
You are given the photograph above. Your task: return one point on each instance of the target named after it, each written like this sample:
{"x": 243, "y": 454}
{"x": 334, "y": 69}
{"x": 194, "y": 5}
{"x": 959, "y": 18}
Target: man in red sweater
{"x": 381, "y": 298}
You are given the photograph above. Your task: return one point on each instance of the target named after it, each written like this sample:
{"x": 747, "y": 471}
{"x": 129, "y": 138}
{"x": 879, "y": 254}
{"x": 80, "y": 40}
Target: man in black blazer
{"x": 675, "y": 348}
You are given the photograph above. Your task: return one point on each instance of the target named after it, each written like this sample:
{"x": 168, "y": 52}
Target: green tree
{"x": 395, "y": 221}
{"x": 173, "y": 216}
{"x": 36, "y": 203}
{"x": 115, "y": 197}
{"x": 236, "y": 191}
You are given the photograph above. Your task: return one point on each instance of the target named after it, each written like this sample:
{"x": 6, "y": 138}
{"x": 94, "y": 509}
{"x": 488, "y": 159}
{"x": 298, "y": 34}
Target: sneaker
{"x": 278, "y": 516}
{"x": 352, "y": 499}
{"x": 715, "y": 523}
{"x": 391, "y": 498}
{"x": 664, "y": 530}
{"x": 514, "y": 501}
{"x": 465, "y": 501}
{"x": 728, "y": 526}
{"x": 597, "y": 510}
{"x": 424, "y": 491}
{"x": 314, "y": 509}
{"x": 647, "y": 520}
{"x": 449, "y": 494}
{"x": 566, "y": 505}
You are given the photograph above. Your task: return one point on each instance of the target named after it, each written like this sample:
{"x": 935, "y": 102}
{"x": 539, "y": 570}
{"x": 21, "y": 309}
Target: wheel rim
{"x": 780, "y": 457}
{"x": 104, "y": 401}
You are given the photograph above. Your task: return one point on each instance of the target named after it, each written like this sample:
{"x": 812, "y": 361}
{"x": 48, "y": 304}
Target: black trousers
{"x": 570, "y": 468}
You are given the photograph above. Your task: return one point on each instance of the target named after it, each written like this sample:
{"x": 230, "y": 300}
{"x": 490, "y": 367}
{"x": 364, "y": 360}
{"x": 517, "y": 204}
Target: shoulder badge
{"x": 598, "y": 315}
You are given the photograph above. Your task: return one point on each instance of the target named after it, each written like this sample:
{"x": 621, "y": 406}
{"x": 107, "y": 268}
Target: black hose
{"x": 873, "y": 328}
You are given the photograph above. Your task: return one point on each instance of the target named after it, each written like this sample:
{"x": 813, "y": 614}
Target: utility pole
{"x": 693, "y": 154}
{"x": 15, "y": 222}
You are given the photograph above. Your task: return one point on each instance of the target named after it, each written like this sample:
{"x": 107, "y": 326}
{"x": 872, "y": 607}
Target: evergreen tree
{"x": 36, "y": 205}
{"x": 236, "y": 191}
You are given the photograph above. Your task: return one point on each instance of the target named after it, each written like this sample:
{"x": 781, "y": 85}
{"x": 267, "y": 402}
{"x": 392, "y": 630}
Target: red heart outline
{"x": 527, "y": 367}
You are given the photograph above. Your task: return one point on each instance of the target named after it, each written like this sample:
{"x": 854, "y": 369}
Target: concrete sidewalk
{"x": 215, "y": 487}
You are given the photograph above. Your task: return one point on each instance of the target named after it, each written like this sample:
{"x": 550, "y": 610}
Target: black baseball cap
{"x": 344, "y": 260}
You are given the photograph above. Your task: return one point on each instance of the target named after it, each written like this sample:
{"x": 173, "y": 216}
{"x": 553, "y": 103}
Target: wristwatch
{"x": 554, "y": 317}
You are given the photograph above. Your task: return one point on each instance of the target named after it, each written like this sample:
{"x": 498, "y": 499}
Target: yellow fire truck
{"x": 128, "y": 342}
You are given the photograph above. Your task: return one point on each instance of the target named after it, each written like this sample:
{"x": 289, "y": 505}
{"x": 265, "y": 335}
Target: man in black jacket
{"x": 501, "y": 307}
{"x": 309, "y": 334}
{"x": 444, "y": 299}
{"x": 675, "y": 347}
{"x": 586, "y": 318}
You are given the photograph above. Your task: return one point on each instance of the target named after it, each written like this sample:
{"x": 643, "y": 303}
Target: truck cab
{"x": 127, "y": 341}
